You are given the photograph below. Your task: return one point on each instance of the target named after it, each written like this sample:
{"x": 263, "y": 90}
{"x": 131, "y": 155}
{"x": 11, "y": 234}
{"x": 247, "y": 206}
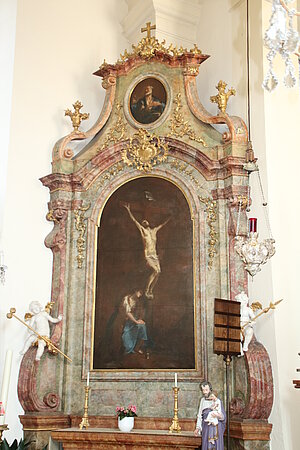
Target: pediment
{"x": 152, "y": 88}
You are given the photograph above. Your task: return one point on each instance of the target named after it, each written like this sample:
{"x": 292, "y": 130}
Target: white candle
{"x": 5, "y": 383}
{"x": 175, "y": 379}
{"x": 88, "y": 379}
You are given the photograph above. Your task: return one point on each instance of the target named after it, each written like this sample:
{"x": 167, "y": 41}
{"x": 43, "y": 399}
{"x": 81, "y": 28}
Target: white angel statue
{"x": 38, "y": 319}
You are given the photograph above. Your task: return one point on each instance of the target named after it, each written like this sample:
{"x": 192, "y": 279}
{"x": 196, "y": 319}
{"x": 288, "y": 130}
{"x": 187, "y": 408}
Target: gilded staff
{"x": 48, "y": 341}
{"x": 264, "y": 311}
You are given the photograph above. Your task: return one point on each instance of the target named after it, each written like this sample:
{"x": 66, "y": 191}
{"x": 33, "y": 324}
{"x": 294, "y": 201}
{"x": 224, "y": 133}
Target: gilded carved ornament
{"x": 117, "y": 132}
{"x": 80, "y": 226}
{"x": 239, "y": 200}
{"x": 149, "y": 46}
{"x": 211, "y": 210}
{"x": 76, "y": 117}
{"x": 211, "y": 218}
{"x": 180, "y": 127}
{"x": 222, "y": 97}
{"x": 109, "y": 81}
{"x": 58, "y": 211}
{"x": 186, "y": 169}
{"x": 109, "y": 174}
{"x": 50, "y": 216}
{"x": 144, "y": 151}
{"x": 191, "y": 70}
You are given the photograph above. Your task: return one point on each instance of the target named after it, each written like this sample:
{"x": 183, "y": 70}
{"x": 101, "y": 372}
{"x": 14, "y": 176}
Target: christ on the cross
{"x": 149, "y": 237}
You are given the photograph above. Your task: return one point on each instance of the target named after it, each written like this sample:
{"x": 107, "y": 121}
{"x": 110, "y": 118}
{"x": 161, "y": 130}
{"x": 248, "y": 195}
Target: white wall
{"x": 282, "y": 115}
{"x": 8, "y": 13}
{"x": 275, "y": 121}
{"x": 58, "y": 46}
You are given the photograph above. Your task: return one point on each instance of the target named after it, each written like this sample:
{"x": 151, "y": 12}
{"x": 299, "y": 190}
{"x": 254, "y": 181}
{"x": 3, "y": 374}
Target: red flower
{"x": 122, "y": 412}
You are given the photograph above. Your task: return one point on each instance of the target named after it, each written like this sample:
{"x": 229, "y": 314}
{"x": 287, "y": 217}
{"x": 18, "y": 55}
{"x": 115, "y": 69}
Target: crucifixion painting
{"x": 144, "y": 298}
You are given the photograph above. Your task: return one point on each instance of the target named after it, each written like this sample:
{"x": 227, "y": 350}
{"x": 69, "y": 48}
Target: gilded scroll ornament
{"x": 186, "y": 169}
{"x": 109, "y": 174}
{"x": 117, "y": 131}
{"x": 222, "y": 97}
{"x": 144, "y": 151}
{"x": 50, "y": 216}
{"x": 80, "y": 226}
{"x": 191, "y": 70}
{"x": 180, "y": 127}
{"x": 76, "y": 117}
{"x": 58, "y": 211}
{"x": 196, "y": 50}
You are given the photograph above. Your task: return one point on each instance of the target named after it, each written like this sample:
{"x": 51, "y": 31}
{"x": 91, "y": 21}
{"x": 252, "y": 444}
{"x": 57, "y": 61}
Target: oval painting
{"x": 148, "y": 100}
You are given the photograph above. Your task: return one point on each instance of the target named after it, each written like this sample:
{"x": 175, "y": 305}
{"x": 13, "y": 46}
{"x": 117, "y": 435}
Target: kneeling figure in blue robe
{"x": 134, "y": 334}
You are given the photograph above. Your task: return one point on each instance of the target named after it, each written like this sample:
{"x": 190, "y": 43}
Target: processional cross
{"x": 148, "y": 28}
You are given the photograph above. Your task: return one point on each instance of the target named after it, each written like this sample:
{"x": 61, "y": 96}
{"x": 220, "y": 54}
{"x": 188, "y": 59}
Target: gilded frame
{"x": 150, "y": 77}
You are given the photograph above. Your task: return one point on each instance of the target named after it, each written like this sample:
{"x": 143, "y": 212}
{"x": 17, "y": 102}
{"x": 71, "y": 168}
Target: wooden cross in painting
{"x": 148, "y": 28}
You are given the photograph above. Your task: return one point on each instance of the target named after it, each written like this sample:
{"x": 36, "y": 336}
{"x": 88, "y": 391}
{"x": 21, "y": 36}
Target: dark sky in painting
{"x": 122, "y": 269}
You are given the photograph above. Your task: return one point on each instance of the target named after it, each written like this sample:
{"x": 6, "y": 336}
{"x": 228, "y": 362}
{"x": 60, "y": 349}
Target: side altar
{"x": 148, "y": 434}
{"x": 144, "y": 222}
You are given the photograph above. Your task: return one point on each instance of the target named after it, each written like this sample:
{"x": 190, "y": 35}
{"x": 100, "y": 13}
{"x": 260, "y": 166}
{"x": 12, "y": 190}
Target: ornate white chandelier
{"x": 252, "y": 252}
{"x": 281, "y": 38}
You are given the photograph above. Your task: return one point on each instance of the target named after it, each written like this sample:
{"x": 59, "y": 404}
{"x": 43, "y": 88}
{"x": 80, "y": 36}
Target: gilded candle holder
{"x": 3, "y": 428}
{"x": 175, "y": 427}
{"x": 85, "y": 419}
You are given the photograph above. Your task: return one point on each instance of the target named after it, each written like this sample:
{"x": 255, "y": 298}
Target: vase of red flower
{"x": 126, "y": 417}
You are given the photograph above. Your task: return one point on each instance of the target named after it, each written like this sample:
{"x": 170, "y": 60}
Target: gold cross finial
{"x": 148, "y": 28}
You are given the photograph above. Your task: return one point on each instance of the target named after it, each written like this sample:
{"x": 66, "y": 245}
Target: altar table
{"x": 137, "y": 439}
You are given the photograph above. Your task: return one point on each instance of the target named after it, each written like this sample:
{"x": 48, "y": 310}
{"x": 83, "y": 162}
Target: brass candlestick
{"x": 3, "y": 428}
{"x": 85, "y": 419}
{"x": 175, "y": 423}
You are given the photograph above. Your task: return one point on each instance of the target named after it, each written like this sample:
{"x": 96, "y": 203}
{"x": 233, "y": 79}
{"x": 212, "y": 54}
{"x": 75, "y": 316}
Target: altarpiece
{"x": 148, "y": 204}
